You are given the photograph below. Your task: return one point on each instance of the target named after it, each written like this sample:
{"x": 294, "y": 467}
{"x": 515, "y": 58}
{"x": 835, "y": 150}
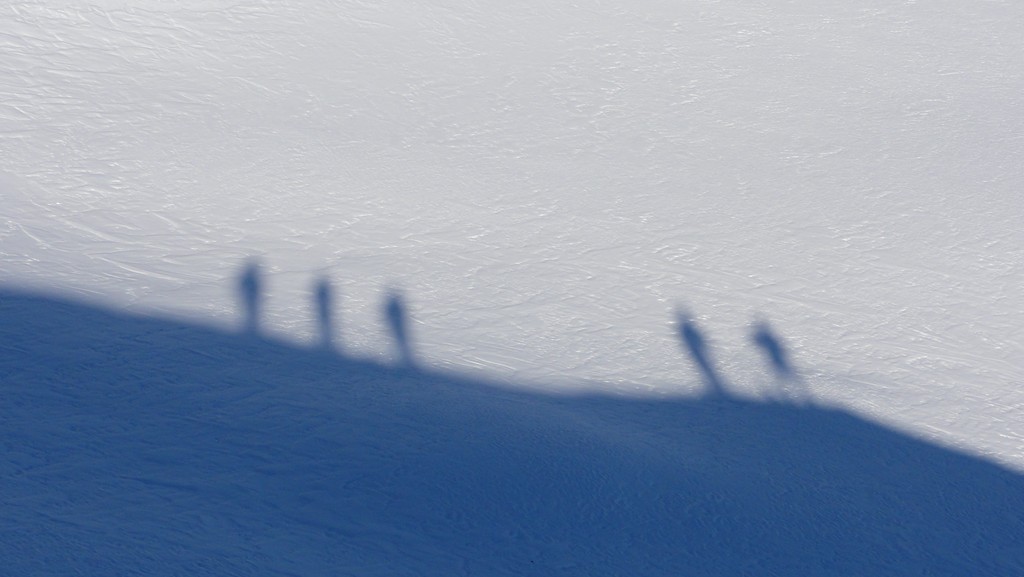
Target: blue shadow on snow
{"x": 135, "y": 445}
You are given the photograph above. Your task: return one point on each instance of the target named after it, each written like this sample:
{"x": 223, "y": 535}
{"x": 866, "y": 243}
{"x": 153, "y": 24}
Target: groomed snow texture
{"x": 533, "y": 288}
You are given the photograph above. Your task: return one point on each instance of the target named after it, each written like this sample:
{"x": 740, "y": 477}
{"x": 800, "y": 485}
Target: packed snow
{"x": 416, "y": 288}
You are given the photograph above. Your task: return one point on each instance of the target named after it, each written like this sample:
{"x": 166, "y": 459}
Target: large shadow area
{"x": 141, "y": 446}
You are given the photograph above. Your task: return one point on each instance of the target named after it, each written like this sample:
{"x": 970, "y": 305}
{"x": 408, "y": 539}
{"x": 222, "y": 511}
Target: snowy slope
{"x": 548, "y": 186}
{"x": 548, "y": 183}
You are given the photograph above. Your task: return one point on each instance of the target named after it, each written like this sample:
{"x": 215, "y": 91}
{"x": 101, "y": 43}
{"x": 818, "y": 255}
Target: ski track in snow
{"x": 548, "y": 184}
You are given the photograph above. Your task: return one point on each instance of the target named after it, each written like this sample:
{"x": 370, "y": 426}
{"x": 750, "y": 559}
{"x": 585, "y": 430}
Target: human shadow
{"x": 153, "y": 446}
{"x": 789, "y": 383}
{"x": 323, "y": 302}
{"x": 696, "y": 345}
{"x": 396, "y": 314}
{"x": 250, "y": 296}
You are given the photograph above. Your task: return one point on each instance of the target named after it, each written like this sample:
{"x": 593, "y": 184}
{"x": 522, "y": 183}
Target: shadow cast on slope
{"x": 136, "y": 445}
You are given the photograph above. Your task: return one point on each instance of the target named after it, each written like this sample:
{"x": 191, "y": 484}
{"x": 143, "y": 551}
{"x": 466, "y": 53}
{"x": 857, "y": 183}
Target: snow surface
{"x": 680, "y": 288}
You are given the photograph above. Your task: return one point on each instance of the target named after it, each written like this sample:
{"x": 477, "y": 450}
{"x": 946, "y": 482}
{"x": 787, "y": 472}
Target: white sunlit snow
{"x": 547, "y": 186}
